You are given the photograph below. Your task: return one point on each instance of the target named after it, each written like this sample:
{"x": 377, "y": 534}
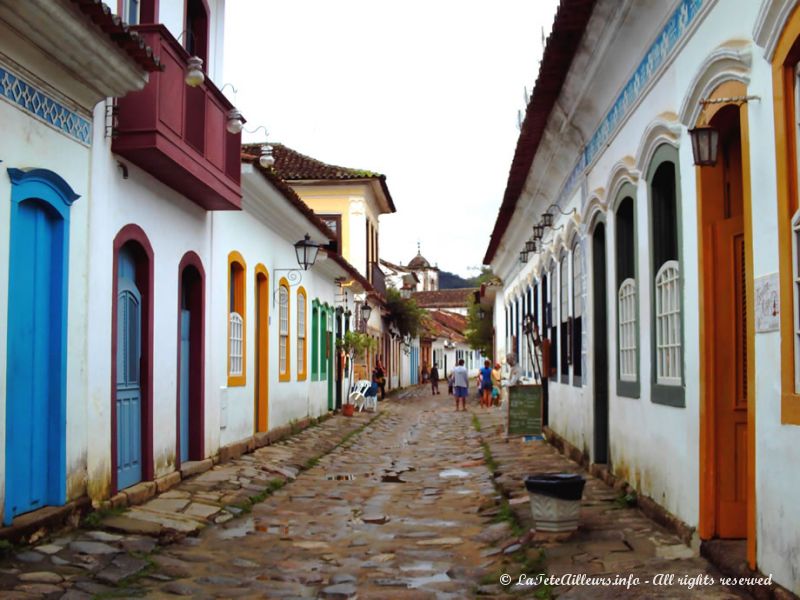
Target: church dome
{"x": 419, "y": 262}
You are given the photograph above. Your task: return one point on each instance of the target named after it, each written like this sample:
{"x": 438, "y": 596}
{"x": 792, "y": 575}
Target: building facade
{"x": 666, "y": 290}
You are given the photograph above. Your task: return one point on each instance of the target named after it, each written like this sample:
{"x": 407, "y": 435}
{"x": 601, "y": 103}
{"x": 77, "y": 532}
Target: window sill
{"x": 236, "y": 381}
{"x": 285, "y": 377}
{"x": 790, "y": 409}
{"x": 628, "y": 389}
{"x": 577, "y": 381}
{"x": 668, "y": 395}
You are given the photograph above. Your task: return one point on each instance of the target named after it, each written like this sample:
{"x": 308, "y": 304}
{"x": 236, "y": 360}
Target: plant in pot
{"x": 355, "y": 345}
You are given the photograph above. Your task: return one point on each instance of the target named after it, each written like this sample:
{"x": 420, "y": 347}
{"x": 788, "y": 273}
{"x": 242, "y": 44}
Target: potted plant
{"x": 355, "y": 345}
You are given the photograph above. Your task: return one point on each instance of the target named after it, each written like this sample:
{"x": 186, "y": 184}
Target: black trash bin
{"x": 555, "y": 500}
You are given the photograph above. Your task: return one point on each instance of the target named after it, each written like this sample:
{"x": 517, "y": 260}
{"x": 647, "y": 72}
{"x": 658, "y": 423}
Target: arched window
{"x": 302, "y": 354}
{"x": 577, "y": 313}
{"x": 667, "y": 323}
{"x": 284, "y": 371}
{"x": 564, "y": 317}
{"x": 236, "y": 320}
{"x": 627, "y": 295}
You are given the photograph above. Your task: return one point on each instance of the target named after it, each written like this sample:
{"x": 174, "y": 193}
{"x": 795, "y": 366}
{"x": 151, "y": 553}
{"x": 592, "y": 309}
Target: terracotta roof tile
{"x": 454, "y": 298}
{"x": 119, "y": 32}
{"x": 291, "y": 165}
{"x": 286, "y": 190}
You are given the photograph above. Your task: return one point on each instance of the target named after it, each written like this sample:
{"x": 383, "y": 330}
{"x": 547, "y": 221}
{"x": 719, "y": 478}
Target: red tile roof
{"x": 291, "y": 196}
{"x": 454, "y": 298}
{"x": 440, "y": 324}
{"x": 570, "y": 23}
{"x": 251, "y": 157}
{"x": 294, "y": 166}
{"x": 129, "y": 41}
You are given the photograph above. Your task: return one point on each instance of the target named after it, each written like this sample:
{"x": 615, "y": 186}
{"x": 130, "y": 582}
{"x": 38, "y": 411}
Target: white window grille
{"x": 627, "y": 330}
{"x": 235, "y": 353}
{"x": 668, "y": 324}
{"x": 283, "y": 331}
{"x": 577, "y": 281}
{"x": 301, "y": 333}
{"x": 564, "y": 289}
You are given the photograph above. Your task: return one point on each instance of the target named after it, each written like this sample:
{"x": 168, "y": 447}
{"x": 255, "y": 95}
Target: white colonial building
{"x": 666, "y": 290}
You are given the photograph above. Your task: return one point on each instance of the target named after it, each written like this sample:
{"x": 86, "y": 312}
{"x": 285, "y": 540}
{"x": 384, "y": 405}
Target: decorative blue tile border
{"x": 44, "y": 107}
{"x": 655, "y": 57}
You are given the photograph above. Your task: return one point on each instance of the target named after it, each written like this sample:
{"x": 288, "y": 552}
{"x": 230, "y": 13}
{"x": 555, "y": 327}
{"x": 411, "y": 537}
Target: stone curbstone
{"x": 168, "y": 481}
{"x": 140, "y": 493}
{"x": 195, "y": 467}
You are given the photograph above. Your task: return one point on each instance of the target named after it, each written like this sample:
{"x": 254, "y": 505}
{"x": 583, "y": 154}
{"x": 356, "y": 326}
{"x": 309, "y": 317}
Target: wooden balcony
{"x": 177, "y": 133}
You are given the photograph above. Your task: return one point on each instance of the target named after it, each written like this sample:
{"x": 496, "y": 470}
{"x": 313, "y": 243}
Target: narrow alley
{"x": 399, "y": 504}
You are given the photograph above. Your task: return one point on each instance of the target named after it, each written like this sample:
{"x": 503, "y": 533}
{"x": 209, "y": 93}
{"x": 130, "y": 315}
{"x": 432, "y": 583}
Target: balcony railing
{"x": 177, "y": 133}
{"x": 378, "y": 279}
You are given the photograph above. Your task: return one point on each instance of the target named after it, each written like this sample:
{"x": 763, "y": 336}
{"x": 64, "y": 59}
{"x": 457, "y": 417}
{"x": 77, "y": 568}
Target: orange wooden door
{"x": 730, "y": 376}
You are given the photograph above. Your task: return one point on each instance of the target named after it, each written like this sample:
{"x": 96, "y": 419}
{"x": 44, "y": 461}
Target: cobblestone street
{"x": 400, "y": 505}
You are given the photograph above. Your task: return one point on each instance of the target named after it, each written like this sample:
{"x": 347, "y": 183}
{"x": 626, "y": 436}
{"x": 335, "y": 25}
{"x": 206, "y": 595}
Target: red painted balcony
{"x": 177, "y": 133}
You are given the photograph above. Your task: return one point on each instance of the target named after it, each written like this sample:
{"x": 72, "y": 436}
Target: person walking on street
{"x": 486, "y": 385}
{"x": 461, "y": 384}
{"x": 497, "y": 376}
{"x": 434, "y": 379}
{"x": 450, "y": 383}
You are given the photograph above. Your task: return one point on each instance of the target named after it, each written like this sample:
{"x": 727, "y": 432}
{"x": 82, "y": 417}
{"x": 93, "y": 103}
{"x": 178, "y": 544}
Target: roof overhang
{"x": 89, "y": 53}
{"x": 569, "y": 26}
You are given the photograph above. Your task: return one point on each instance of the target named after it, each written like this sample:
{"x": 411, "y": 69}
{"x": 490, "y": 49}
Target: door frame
{"x": 261, "y": 388}
{"x": 708, "y": 448}
{"x": 197, "y": 359}
{"x": 46, "y": 187}
{"x": 599, "y": 345}
{"x": 144, "y": 281}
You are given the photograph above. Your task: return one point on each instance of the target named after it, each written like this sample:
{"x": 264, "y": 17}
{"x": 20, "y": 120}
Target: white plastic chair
{"x": 359, "y": 398}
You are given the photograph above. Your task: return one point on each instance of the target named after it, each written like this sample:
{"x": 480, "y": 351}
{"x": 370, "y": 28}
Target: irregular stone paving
{"x": 612, "y": 538}
{"x": 80, "y": 564}
{"x": 406, "y": 509}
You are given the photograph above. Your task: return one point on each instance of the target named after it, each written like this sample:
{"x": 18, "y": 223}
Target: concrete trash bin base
{"x": 555, "y": 501}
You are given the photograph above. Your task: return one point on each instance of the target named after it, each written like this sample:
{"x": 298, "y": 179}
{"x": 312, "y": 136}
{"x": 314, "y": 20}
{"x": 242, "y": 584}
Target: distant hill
{"x": 449, "y": 281}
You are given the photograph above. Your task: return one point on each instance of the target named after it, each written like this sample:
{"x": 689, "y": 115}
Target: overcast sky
{"x": 424, "y": 91}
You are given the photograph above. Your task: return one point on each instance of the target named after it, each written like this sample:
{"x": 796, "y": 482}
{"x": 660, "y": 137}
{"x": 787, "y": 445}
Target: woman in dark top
{"x": 486, "y": 384}
{"x": 434, "y": 375}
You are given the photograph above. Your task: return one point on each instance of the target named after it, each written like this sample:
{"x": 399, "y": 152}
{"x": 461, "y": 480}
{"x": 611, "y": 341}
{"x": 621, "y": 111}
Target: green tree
{"x": 404, "y": 313}
{"x": 480, "y": 330}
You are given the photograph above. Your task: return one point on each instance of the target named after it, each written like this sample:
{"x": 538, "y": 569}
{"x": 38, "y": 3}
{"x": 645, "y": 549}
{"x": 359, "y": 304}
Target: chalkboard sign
{"x": 524, "y": 410}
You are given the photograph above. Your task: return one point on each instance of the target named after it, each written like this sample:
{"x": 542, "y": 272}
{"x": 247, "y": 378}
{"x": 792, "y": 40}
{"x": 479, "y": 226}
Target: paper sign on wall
{"x": 767, "y": 303}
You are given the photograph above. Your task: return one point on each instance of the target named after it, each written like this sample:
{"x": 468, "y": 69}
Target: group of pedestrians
{"x": 458, "y": 384}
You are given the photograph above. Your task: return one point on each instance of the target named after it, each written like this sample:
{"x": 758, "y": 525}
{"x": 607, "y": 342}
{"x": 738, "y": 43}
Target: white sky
{"x": 426, "y": 92}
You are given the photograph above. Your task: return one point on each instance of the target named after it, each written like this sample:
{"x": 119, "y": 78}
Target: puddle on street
{"x": 415, "y": 582}
{"x": 347, "y": 476}
{"x": 419, "y": 566}
{"x": 449, "y": 473}
{"x": 236, "y": 529}
{"x": 391, "y": 478}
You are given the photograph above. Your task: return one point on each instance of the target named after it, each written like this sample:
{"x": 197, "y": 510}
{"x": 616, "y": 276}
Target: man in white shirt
{"x": 461, "y": 384}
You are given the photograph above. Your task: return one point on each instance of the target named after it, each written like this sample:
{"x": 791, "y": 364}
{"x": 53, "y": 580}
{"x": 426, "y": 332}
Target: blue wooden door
{"x": 184, "y": 382}
{"x": 129, "y": 389}
{"x": 36, "y": 320}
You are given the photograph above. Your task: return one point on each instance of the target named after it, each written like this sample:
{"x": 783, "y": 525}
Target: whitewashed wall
{"x": 28, "y": 143}
{"x": 174, "y": 226}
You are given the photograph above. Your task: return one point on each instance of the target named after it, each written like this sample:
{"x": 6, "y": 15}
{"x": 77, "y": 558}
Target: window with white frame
{"x": 668, "y": 324}
{"x": 283, "y": 330}
{"x": 565, "y": 317}
{"x": 627, "y": 308}
{"x": 236, "y": 345}
{"x": 577, "y": 312}
{"x": 130, "y": 11}
{"x": 627, "y": 330}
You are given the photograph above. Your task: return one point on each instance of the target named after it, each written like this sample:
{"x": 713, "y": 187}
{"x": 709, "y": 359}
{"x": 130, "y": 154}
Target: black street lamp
{"x": 306, "y": 251}
{"x": 366, "y": 311}
{"x": 705, "y": 142}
